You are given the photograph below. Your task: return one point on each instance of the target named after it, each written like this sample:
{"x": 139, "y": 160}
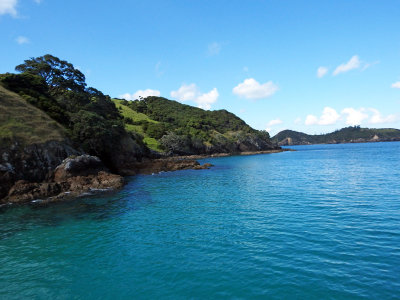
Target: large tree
{"x": 59, "y": 75}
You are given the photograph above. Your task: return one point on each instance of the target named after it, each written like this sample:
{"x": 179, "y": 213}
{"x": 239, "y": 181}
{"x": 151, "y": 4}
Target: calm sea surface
{"x": 322, "y": 222}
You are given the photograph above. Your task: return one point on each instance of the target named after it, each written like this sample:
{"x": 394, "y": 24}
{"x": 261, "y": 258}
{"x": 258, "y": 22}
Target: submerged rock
{"x": 169, "y": 164}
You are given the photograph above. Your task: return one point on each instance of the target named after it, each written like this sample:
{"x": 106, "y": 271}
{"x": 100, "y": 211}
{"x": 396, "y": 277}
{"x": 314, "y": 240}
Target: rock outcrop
{"x": 73, "y": 177}
{"x": 33, "y": 163}
{"x": 169, "y": 164}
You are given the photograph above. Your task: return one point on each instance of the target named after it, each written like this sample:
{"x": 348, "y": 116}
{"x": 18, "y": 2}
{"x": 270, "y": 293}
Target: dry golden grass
{"x": 23, "y": 122}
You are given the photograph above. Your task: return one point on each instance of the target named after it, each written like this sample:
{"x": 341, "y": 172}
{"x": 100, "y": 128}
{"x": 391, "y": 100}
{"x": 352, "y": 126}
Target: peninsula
{"x": 60, "y": 138}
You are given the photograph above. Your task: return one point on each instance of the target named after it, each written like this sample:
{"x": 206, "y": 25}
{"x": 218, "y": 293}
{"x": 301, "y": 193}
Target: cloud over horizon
{"x": 140, "y": 93}
{"x": 252, "y": 89}
{"x": 274, "y": 122}
{"x": 329, "y": 116}
{"x": 351, "y": 116}
{"x": 190, "y": 92}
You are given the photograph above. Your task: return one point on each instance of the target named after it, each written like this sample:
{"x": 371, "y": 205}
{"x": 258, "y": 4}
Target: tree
{"x": 59, "y": 74}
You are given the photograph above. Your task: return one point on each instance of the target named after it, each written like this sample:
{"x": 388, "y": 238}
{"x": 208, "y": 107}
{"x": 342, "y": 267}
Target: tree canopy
{"x": 58, "y": 74}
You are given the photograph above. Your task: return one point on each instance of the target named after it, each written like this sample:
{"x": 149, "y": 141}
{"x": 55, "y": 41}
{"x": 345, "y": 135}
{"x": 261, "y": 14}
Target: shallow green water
{"x": 322, "y": 222}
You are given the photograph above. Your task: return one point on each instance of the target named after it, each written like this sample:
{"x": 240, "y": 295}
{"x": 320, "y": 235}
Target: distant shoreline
{"x": 341, "y": 143}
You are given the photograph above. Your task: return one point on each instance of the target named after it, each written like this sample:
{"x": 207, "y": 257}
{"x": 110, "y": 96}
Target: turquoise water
{"x": 322, "y": 222}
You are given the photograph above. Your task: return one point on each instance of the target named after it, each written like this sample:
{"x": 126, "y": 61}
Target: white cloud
{"x": 367, "y": 65}
{"x": 251, "y": 89}
{"x": 140, "y": 93}
{"x": 22, "y": 39}
{"x": 354, "y": 116}
{"x": 353, "y": 63}
{"x": 297, "y": 121}
{"x": 205, "y": 100}
{"x": 274, "y": 122}
{"x": 191, "y": 92}
{"x": 185, "y": 92}
{"x": 321, "y": 72}
{"x": 311, "y": 120}
{"x": 396, "y": 85}
{"x": 329, "y": 116}
{"x": 377, "y": 117}
{"x": 8, "y": 7}
{"x": 214, "y": 48}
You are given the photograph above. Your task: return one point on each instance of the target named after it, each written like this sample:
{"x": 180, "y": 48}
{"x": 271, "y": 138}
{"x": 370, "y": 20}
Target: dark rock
{"x": 82, "y": 165}
{"x": 33, "y": 163}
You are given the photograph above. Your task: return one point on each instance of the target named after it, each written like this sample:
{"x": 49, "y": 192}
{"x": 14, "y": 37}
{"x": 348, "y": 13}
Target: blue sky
{"x": 311, "y": 66}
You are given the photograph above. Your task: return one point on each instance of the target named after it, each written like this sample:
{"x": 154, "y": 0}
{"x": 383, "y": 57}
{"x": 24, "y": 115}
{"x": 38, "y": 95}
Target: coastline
{"x": 244, "y": 153}
{"x": 84, "y": 180}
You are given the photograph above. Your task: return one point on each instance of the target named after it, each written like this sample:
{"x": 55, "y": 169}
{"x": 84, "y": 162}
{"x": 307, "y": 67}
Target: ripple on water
{"x": 322, "y": 222}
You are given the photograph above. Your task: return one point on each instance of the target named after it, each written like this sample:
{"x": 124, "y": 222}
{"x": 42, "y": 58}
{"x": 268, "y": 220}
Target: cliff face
{"x": 33, "y": 163}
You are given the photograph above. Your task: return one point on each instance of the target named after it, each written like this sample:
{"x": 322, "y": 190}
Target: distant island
{"x": 59, "y": 137}
{"x": 352, "y": 134}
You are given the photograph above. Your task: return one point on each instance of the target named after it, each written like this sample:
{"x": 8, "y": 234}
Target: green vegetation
{"x": 185, "y": 129}
{"x": 90, "y": 119}
{"x": 132, "y": 117}
{"x": 22, "y": 122}
{"x": 106, "y": 127}
{"x": 350, "y": 134}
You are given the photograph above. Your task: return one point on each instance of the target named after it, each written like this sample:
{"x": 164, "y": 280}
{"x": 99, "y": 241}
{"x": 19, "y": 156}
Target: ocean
{"x": 322, "y": 222}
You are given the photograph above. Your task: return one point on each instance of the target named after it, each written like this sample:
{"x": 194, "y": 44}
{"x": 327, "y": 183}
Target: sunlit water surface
{"x": 322, "y": 222}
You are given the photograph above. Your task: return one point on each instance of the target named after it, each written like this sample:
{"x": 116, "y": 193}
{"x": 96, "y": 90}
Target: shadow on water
{"x": 98, "y": 207}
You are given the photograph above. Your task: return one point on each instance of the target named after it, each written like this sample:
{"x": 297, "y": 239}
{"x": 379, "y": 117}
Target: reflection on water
{"x": 321, "y": 222}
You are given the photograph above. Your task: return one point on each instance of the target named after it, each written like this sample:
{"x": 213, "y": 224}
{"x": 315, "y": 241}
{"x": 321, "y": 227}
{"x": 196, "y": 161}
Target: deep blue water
{"x": 321, "y": 222}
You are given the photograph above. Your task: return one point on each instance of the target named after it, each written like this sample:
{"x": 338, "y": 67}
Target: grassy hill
{"x": 350, "y": 134}
{"x": 172, "y": 126}
{"x": 24, "y": 122}
{"x": 132, "y": 117}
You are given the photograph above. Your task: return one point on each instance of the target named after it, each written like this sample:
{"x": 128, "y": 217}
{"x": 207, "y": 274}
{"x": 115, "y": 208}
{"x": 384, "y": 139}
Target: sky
{"x": 310, "y": 66}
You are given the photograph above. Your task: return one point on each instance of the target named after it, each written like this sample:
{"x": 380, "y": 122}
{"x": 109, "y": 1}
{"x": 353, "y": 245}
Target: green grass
{"x": 153, "y": 144}
{"x": 130, "y": 113}
{"x": 127, "y": 112}
{"x": 135, "y": 128}
{"x": 24, "y": 122}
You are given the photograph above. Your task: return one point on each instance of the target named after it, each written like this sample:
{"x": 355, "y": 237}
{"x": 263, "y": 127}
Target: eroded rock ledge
{"x": 73, "y": 177}
{"x": 169, "y": 164}
{"x": 85, "y": 174}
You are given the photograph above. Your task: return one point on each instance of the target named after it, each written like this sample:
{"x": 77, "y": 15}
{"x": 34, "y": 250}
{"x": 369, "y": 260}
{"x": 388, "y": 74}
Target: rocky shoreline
{"x": 86, "y": 175}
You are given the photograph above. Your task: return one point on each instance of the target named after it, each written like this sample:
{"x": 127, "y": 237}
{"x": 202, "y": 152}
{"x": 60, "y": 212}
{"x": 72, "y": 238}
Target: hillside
{"x": 132, "y": 117}
{"x": 174, "y": 127}
{"x": 350, "y": 134}
{"x": 25, "y": 123}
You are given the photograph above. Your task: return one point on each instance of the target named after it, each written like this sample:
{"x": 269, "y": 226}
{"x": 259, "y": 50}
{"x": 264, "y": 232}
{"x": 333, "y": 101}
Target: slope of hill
{"x": 25, "y": 123}
{"x": 47, "y": 113}
{"x": 182, "y": 129}
{"x": 132, "y": 117}
{"x": 350, "y": 134}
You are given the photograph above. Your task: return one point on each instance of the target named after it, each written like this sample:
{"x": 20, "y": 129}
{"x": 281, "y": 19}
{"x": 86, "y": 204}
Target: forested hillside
{"x": 171, "y": 126}
{"x": 352, "y": 134}
{"x": 107, "y": 127}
